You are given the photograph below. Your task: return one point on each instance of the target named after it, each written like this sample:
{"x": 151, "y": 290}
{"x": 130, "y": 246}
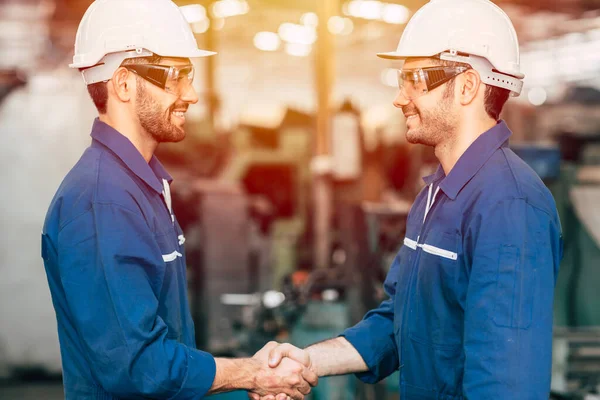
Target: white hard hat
{"x": 476, "y": 32}
{"x": 114, "y": 30}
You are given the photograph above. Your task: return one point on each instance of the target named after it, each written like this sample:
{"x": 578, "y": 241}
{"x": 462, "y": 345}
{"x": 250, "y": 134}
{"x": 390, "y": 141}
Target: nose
{"x": 400, "y": 100}
{"x": 189, "y": 95}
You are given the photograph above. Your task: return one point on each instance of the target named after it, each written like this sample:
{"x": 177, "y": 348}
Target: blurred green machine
{"x": 577, "y": 195}
{"x": 571, "y": 171}
{"x": 576, "y": 355}
{"x": 320, "y": 321}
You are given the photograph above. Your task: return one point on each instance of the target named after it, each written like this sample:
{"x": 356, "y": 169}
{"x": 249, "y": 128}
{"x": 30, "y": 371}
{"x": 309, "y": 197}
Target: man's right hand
{"x": 290, "y": 377}
{"x": 335, "y": 356}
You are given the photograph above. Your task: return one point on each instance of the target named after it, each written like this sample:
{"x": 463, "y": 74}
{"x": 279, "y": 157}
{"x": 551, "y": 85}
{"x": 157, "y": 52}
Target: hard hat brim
{"x": 391, "y": 55}
{"x": 394, "y": 55}
{"x": 203, "y": 53}
{"x": 198, "y": 53}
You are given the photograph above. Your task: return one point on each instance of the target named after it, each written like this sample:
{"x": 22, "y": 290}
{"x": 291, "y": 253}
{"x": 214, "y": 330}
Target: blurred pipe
{"x": 324, "y": 70}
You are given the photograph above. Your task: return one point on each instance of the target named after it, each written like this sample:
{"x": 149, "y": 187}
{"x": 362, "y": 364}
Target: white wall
{"x": 44, "y": 128}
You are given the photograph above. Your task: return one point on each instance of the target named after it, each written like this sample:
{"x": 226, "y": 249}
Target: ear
{"x": 469, "y": 84}
{"x": 123, "y": 84}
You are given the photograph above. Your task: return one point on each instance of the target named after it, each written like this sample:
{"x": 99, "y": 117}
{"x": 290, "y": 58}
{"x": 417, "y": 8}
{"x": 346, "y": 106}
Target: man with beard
{"x": 469, "y": 314}
{"x": 112, "y": 248}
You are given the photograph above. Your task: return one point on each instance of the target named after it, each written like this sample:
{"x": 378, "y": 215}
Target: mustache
{"x": 179, "y": 106}
{"x": 410, "y": 109}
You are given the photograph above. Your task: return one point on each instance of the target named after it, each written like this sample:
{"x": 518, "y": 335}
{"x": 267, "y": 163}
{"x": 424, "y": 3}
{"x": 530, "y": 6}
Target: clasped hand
{"x": 285, "y": 373}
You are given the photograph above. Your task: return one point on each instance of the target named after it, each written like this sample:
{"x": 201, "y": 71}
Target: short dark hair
{"x": 494, "y": 100}
{"x": 494, "y": 97}
{"x": 99, "y": 92}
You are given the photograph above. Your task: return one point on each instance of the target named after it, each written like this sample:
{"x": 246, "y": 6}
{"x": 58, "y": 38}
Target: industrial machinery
{"x": 243, "y": 201}
{"x": 571, "y": 170}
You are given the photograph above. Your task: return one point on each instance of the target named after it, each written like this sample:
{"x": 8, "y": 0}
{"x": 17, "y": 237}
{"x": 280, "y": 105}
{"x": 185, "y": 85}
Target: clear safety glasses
{"x": 414, "y": 83}
{"x": 174, "y": 80}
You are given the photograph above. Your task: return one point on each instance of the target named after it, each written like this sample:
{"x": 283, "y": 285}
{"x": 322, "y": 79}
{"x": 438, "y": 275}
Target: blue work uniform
{"x": 115, "y": 262}
{"x": 469, "y": 314}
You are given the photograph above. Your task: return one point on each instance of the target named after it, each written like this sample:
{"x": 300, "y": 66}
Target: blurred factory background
{"x": 295, "y": 179}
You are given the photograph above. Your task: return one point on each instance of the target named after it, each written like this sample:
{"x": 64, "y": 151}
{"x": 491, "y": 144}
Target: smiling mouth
{"x": 411, "y": 117}
{"x": 179, "y": 115}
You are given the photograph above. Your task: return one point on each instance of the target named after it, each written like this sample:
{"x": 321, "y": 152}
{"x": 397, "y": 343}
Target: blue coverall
{"x": 469, "y": 314}
{"x": 114, "y": 257}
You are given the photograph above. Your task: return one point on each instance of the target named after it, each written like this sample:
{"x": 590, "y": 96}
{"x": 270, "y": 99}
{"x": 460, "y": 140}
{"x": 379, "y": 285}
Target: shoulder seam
{"x": 539, "y": 208}
{"x": 95, "y": 189}
{"x": 512, "y": 172}
{"x": 60, "y": 229}
{"x": 121, "y": 206}
{"x": 527, "y": 202}
{"x": 67, "y": 223}
{"x": 95, "y": 194}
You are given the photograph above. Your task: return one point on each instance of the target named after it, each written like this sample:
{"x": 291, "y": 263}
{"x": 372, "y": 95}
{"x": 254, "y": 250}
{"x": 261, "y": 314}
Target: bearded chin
{"x": 435, "y": 127}
{"x": 156, "y": 122}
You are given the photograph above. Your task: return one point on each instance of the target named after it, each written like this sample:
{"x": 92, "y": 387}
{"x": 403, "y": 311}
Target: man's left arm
{"x": 515, "y": 248}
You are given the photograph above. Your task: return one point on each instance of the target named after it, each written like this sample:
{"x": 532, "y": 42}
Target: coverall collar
{"x": 151, "y": 172}
{"x": 471, "y": 161}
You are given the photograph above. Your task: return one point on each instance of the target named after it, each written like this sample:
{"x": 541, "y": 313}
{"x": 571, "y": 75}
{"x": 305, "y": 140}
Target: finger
{"x": 282, "y": 396}
{"x": 271, "y": 345}
{"x": 304, "y": 389}
{"x": 253, "y": 396}
{"x": 310, "y": 376}
{"x": 294, "y": 394}
{"x": 287, "y": 350}
{"x": 263, "y": 353}
{"x": 297, "y": 382}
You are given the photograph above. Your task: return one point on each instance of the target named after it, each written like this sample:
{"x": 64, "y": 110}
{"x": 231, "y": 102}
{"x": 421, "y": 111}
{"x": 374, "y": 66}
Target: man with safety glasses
{"x": 469, "y": 314}
{"x": 112, "y": 248}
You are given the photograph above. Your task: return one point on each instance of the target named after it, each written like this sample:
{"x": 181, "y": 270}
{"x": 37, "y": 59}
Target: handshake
{"x": 283, "y": 372}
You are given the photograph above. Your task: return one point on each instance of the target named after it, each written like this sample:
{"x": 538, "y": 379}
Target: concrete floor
{"x": 54, "y": 391}
{"x": 34, "y": 391}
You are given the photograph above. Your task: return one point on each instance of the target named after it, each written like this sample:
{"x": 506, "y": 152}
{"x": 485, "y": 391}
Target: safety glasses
{"x": 172, "y": 79}
{"x": 414, "y": 83}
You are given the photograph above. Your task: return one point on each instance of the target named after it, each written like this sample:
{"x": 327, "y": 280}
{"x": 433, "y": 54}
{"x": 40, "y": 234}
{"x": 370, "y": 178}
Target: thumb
{"x": 275, "y": 356}
{"x": 287, "y": 350}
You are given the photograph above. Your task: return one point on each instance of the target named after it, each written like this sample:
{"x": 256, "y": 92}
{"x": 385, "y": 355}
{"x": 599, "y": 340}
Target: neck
{"x": 450, "y": 151}
{"x": 133, "y": 131}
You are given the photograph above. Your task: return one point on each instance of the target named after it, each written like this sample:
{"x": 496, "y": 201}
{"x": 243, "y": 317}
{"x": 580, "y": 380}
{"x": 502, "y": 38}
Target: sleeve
{"x": 374, "y": 337}
{"x": 111, "y": 273}
{"x": 515, "y": 249}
